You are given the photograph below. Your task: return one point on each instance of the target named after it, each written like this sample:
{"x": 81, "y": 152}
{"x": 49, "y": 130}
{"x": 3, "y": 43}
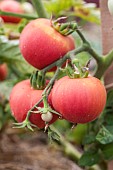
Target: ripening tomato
{"x": 78, "y": 100}
{"x": 3, "y": 72}
{"x": 41, "y": 44}
{"x": 11, "y": 6}
{"x": 23, "y": 97}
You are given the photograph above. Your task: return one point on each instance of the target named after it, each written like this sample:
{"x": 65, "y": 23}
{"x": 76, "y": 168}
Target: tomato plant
{"x": 26, "y": 97}
{"x": 70, "y": 92}
{"x": 11, "y": 6}
{"x": 43, "y": 46}
{"x": 3, "y": 72}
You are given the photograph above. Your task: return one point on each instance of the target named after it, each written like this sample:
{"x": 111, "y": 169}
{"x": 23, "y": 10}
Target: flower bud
{"x": 47, "y": 117}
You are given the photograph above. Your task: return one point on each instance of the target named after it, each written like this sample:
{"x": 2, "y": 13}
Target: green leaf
{"x": 110, "y": 99}
{"x": 57, "y": 6}
{"x": 88, "y": 14}
{"x": 10, "y": 53}
{"x": 9, "y": 50}
{"x": 5, "y": 89}
{"x": 52, "y": 135}
{"x": 1, "y": 124}
{"x": 88, "y": 139}
{"x": 1, "y": 117}
{"x": 110, "y": 128}
{"x": 109, "y": 118}
{"x": 107, "y": 151}
{"x": 77, "y": 134}
{"x": 108, "y": 111}
{"x": 104, "y": 136}
{"x": 89, "y": 158}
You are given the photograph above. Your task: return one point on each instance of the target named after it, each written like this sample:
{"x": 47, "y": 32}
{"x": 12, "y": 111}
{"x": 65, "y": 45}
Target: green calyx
{"x": 37, "y": 80}
{"x": 64, "y": 28}
{"x": 74, "y": 70}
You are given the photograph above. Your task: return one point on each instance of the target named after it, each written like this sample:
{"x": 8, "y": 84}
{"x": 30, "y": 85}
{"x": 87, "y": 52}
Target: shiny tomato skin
{"x": 22, "y": 98}
{"x": 41, "y": 44}
{"x": 78, "y": 100}
{"x": 3, "y": 71}
{"x": 11, "y": 6}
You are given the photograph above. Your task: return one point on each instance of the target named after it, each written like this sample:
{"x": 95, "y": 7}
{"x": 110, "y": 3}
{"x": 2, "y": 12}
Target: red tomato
{"x": 3, "y": 72}
{"x": 11, "y": 6}
{"x": 23, "y": 97}
{"x": 42, "y": 45}
{"x": 78, "y": 100}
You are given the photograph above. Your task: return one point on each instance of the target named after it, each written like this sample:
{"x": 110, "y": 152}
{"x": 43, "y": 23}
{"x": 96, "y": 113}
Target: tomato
{"x": 41, "y": 44}
{"x": 3, "y": 72}
{"x": 11, "y": 6}
{"x": 78, "y": 100}
{"x": 22, "y": 98}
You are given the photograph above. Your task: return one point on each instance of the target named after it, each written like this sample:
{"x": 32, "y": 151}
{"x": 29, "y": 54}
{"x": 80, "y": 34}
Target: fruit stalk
{"x": 103, "y": 62}
{"x": 70, "y": 150}
{"x": 62, "y": 60}
{"x": 29, "y": 17}
{"x": 102, "y": 67}
{"x": 45, "y": 92}
{"x": 39, "y": 6}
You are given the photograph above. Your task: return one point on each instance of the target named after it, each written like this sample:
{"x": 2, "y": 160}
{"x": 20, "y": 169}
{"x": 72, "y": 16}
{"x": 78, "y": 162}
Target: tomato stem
{"x": 40, "y": 9}
{"x": 70, "y": 150}
{"x": 29, "y": 17}
{"x": 51, "y": 82}
{"x": 103, "y": 66}
{"x": 45, "y": 96}
{"x": 45, "y": 101}
{"x": 64, "y": 28}
{"x": 64, "y": 58}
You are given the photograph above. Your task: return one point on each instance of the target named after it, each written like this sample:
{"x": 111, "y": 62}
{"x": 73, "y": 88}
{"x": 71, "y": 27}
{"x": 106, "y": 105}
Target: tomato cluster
{"x": 78, "y": 100}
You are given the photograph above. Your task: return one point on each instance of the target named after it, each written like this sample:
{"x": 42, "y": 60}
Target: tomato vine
{"x": 103, "y": 62}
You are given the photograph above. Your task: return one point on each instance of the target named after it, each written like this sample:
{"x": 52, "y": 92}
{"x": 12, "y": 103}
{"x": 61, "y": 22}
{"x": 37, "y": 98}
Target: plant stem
{"x": 63, "y": 59}
{"x": 68, "y": 148}
{"x": 44, "y": 94}
{"x": 82, "y": 36}
{"x": 29, "y": 112}
{"x": 103, "y": 66}
{"x": 109, "y": 58}
{"x": 88, "y": 47}
{"x": 51, "y": 82}
{"x": 29, "y": 17}
{"x": 39, "y": 6}
{"x": 95, "y": 55}
{"x": 71, "y": 151}
{"x": 103, "y": 62}
{"x": 45, "y": 102}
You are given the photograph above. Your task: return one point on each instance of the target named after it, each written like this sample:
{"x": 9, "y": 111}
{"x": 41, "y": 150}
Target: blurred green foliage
{"x": 73, "y": 8}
